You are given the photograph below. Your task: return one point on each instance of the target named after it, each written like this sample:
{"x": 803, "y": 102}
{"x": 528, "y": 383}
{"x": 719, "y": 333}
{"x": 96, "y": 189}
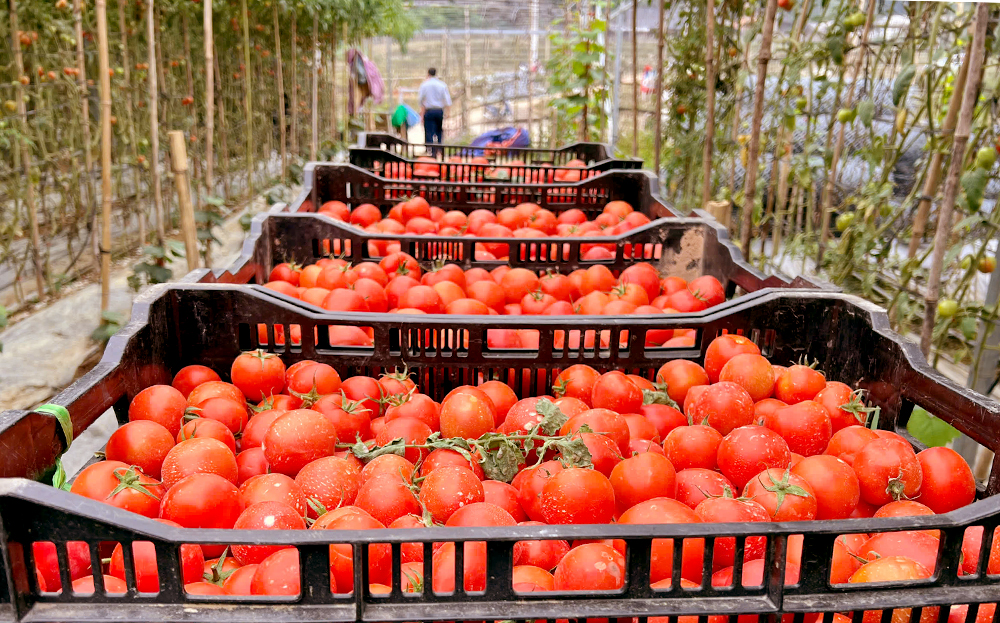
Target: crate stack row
{"x": 211, "y": 317}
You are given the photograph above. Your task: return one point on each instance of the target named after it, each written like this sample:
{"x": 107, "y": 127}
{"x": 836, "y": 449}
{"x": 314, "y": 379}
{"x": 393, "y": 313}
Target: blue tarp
{"x": 503, "y": 137}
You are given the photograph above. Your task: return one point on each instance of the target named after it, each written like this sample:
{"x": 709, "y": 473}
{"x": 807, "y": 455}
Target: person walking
{"x": 434, "y": 101}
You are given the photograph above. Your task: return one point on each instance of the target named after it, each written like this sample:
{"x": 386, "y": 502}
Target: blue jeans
{"x": 433, "y": 122}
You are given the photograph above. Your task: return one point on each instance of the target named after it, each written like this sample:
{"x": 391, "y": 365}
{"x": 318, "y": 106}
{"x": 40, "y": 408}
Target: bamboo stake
{"x": 838, "y": 148}
{"x": 161, "y": 69}
{"x": 658, "y": 93}
{"x": 248, "y": 94}
{"x": 81, "y": 82}
{"x": 313, "y": 147}
{"x": 188, "y": 76}
{"x": 706, "y": 163}
{"x": 933, "y": 179}
{"x": 105, "y": 88}
{"x": 223, "y": 127}
{"x": 179, "y": 165}
{"x": 279, "y": 76}
{"x": 29, "y": 196}
{"x": 635, "y": 80}
{"x": 941, "y": 234}
{"x": 130, "y": 118}
{"x": 753, "y": 152}
{"x": 333, "y": 85}
{"x": 209, "y": 33}
{"x": 154, "y": 124}
{"x": 295, "y": 85}
{"x": 467, "y": 74}
{"x": 348, "y": 89}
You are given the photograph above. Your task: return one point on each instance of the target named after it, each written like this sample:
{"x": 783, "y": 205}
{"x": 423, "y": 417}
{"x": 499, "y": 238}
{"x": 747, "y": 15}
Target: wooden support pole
{"x": 104, "y": 64}
{"x": 179, "y": 165}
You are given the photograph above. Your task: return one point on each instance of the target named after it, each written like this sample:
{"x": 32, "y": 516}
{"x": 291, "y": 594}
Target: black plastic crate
{"x": 390, "y": 165}
{"x": 590, "y": 153}
{"x": 175, "y": 325}
{"x": 354, "y": 186}
{"x": 682, "y": 247}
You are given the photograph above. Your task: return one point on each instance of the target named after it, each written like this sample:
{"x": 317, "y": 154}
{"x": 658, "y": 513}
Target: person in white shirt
{"x": 434, "y": 102}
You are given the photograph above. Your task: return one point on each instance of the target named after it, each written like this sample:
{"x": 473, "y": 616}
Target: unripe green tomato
{"x": 846, "y": 115}
{"x": 966, "y": 262}
{"x": 801, "y": 103}
{"x": 844, "y": 221}
{"x": 986, "y": 158}
{"x": 947, "y": 308}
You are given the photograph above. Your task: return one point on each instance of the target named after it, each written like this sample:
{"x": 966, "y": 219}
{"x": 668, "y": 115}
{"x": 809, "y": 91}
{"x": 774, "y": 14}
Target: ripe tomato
{"x": 258, "y": 374}
{"x": 285, "y": 272}
{"x": 47, "y": 562}
{"x": 411, "y": 430}
{"x": 602, "y": 421}
{"x": 530, "y": 483}
{"x": 668, "y": 511}
{"x": 387, "y": 497}
{"x": 112, "y": 585}
{"x": 250, "y": 463}
{"x": 229, "y": 413}
{"x": 834, "y": 483}
{"x": 835, "y": 397}
{"x": 351, "y": 420}
{"x": 590, "y": 567}
{"x": 444, "y": 457}
{"x": 748, "y": 449}
{"x": 505, "y": 496}
{"x": 947, "y": 482}
{"x": 273, "y": 488}
{"x": 693, "y": 446}
{"x": 753, "y": 373}
{"x": 329, "y": 483}
{"x": 342, "y": 555}
{"x": 804, "y": 425}
{"x": 604, "y": 453}
{"x": 268, "y": 515}
{"x": 918, "y": 546}
{"x": 642, "y": 477}
{"x": 296, "y": 439}
{"x": 257, "y": 426}
{"x": 643, "y": 275}
{"x": 893, "y": 569}
{"x": 189, "y": 377}
{"x": 142, "y": 443}
{"x": 120, "y": 485}
{"x": 597, "y": 278}
{"x": 144, "y": 560}
{"x": 448, "y": 488}
{"x": 199, "y": 456}
{"x": 615, "y": 391}
{"x": 577, "y": 496}
{"x": 786, "y": 497}
{"x": 312, "y": 378}
{"x": 214, "y": 389}
{"x": 278, "y": 574}
{"x": 466, "y": 416}
{"x": 202, "y": 501}
{"x": 517, "y": 282}
{"x": 400, "y": 264}
{"x": 542, "y": 554}
{"x": 730, "y": 510}
{"x": 391, "y": 464}
{"x": 681, "y": 375}
{"x": 576, "y": 381}
{"x": 887, "y": 470}
{"x": 798, "y": 383}
{"x": 707, "y": 288}
{"x": 724, "y": 406}
{"x": 161, "y": 404}
{"x": 201, "y": 428}
{"x": 724, "y": 348}
{"x": 503, "y": 398}
{"x": 846, "y": 442}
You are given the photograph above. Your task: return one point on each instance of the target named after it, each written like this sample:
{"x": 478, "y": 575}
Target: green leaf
{"x": 974, "y": 186}
{"x": 3, "y": 316}
{"x": 215, "y": 201}
{"x": 866, "y": 112}
{"x": 930, "y": 430}
{"x": 969, "y": 327}
{"x": 552, "y": 417}
{"x": 902, "y": 84}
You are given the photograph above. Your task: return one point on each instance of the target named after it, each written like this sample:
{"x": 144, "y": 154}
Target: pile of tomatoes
{"x": 427, "y": 167}
{"x": 398, "y": 285}
{"x": 527, "y": 220}
{"x": 737, "y": 439}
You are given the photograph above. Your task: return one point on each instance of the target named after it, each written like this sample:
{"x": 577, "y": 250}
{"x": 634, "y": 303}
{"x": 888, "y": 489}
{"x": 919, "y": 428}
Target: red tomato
{"x": 296, "y": 439}
{"x": 112, "y": 585}
{"x": 444, "y": 457}
{"x": 834, "y": 483}
{"x": 250, "y": 463}
{"x": 503, "y": 398}
{"x": 142, "y": 443}
{"x": 576, "y": 381}
{"x": 189, "y": 377}
{"x": 615, "y": 391}
{"x": 577, "y": 496}
{"x": 786, "y": 497}
{"x": 447, "y": 489}
{"x": 729, "y": 510}
{"x": 665, "y": 418}
{"x": 202, "y": 501}
{"x": 505, "y": 496}
{"x": 258, "y": 374}
{"x": 590, "y": 567}
{"x": 848, "y": 441}
{"x": 602, "y": 421}
{"x": 530, "y": 484}
{"x": 693, "y": 447}
{"x": 273, "y": 488}
{"x": 724, "y": 348}
{"x": 887, "y": 470}
{"x": 751, "y": 372}
{"x": 265, "y": 516}
{"x": 681, "y": 375}
{"x": 798, "y": 383}
{"x": 893, "y": 569}
{"x": 387, "y": 497}
{"x": 278, "y": 574}
{"x": 329, "y": 483}
{"x": 542, "y": 554}
{"x": 642, "y": 477}
{"x": 144, "y": 560}
{"x": 466, "y": 416}
{"x": 231, "y": 414}
{"x": 161, "y": 404}
{"x": 199, "y": 456}
{"x": 804, "y": 425}
{"x": 724, "y": 406}
{"x": 120, "y": 485}
{"x": 202, "y": 428}
{"x": 748, "y": 449}
{"x": 947, "y": 482}
{"x": 668, "y": 511}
